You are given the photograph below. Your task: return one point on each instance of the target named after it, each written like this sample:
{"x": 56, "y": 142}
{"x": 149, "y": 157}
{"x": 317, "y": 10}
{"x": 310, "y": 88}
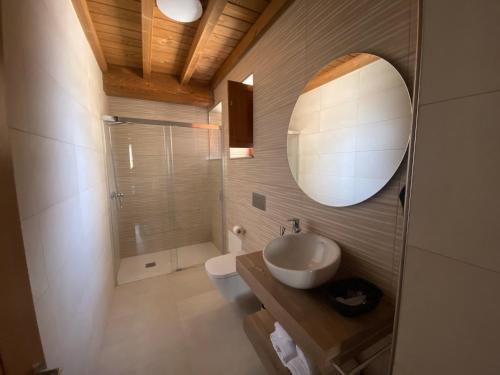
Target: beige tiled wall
{"x": 449, "y": 320}
{"x": 54, "y": 106}
{"x": 309, "y": 35}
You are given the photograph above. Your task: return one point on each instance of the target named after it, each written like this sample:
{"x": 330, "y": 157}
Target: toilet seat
{"x": 223, "y": 266}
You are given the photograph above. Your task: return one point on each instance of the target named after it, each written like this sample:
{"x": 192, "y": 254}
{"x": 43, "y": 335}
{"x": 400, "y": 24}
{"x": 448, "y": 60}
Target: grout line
{"x": 44, "y": 209}
{"x": 55, "y": 139}
{"x": 460, "y": 97}
{"x": 453, "y": 259}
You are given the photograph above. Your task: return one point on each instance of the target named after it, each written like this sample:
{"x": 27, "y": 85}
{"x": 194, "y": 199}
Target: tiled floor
{"x": 167, "y": 261}
{"x": 175, "y": 324}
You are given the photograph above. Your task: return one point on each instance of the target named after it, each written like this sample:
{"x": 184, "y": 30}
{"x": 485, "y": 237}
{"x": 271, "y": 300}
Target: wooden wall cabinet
{"x": 240, "y": 100}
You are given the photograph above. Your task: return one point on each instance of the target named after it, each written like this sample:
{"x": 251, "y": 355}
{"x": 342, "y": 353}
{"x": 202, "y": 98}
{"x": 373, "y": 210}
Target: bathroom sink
{"x": 302, "y": 261}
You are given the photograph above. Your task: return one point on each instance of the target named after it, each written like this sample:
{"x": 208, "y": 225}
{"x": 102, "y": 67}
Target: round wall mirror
{"x": 349, "y": 130}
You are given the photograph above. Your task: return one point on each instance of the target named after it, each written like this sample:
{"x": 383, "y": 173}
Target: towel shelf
{"x": 258, "y": 327}
{"x": 363, "y": 364}
{"x": 307, "y": 315}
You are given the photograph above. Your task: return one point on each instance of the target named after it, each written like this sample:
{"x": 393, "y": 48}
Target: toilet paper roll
{"x": 238, "y": 230}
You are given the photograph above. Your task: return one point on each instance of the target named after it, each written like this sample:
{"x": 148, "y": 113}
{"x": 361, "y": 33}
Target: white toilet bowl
{"x": 222, "y": 272}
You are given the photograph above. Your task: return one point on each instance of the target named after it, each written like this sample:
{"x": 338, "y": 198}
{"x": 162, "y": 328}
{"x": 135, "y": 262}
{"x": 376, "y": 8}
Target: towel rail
{"x": 363, "y": 364}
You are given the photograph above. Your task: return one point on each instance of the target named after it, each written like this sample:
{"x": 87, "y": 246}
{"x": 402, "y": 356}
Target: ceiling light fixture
{"x": 181, "y": 10}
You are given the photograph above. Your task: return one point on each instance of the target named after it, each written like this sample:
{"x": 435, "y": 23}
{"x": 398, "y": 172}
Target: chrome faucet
{"x": 295, "y": 225}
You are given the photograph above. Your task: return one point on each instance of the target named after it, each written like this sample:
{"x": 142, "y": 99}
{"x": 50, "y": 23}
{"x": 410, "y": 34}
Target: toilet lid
{"x": 222, "y": 266}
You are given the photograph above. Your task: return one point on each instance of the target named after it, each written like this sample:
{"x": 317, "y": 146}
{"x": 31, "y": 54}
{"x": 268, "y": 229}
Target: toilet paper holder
{"x": 238, "y": 230}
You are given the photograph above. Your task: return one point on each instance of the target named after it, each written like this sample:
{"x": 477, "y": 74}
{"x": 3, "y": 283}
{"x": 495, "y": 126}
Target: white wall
{"x": 54, "y": 104}
{"x": 450, "y": 320}
{"x": 352, "y": 134}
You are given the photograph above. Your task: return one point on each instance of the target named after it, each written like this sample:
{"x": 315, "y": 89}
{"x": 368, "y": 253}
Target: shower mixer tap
{"x": 119, "y": 196}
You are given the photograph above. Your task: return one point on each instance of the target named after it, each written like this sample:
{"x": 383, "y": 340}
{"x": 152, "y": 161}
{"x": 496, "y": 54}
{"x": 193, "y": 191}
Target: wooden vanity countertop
{"x": 307, "y": 315}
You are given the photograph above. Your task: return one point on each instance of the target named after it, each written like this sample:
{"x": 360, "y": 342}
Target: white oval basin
{"x": 302, "y": 261}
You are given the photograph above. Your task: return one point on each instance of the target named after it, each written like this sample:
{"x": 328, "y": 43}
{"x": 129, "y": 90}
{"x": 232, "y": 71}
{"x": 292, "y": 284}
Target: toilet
{"x": 222, "y": 272}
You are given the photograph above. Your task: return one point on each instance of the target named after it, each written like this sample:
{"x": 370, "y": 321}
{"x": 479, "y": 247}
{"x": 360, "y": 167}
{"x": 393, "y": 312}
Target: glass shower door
{"x": 196, "y": 186}
{"x": 142, "y": 164}
{"x": 167, "y": 196}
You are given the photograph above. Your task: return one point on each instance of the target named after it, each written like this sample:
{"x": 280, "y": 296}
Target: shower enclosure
{"x": 166, "y": 186}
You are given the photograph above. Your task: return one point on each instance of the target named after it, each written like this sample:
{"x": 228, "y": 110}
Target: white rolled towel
{"x": 302, "y": 356}
{"x": 298, "y": 366}
{"x": 280, "y": 331}
{"x": 283, "y": 344}
{"x": 289, "y": 353}
{"x": 284, "y": 348}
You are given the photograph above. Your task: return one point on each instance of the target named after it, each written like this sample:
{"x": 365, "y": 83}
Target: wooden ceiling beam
{"x": 265, "y": 20}
{"x": 128, "y": 82}
{"x": 205, "y": 29}
{"x": 147, "y": 7}
{"x": 83, "y": 13}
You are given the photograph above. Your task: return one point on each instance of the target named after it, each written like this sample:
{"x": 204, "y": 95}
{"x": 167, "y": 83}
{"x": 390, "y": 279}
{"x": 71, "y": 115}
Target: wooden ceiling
{"x": 146, "y": 55}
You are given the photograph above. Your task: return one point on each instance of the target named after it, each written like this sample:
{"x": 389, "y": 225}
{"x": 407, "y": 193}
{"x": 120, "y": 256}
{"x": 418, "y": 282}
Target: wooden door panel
{"x": 20, "y": 344}
{"x": 240, "y": 100}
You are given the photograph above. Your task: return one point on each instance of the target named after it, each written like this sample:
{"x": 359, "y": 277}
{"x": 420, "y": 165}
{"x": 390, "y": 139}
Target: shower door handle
{"x": 119, "y": 196}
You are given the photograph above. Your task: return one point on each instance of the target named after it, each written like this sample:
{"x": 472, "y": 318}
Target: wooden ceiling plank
{"x": 266, "y": 19}
{"x": 83, "y": 13}
{"x": 161, "y": 56}
{"x": 170, "y": 53}
{"x": 202, "y": 79}
{"x": 168, "y": 64}
{"x": 132, "y": 54}
{"x": 114, "y": 30}
{"x": 159, "y": 16}
{"x": 147, "y": 7}
{"x": 134, "y": 5}
{"x": 171, "y": 50}
{"x": 255, "y": 5}
{"x": 123, "y": 82}
{"x": 241, "y": 13}
{"x": 125, "y": 61}
{"x": 164, "y": 37}
{"x": 106, "y": 44}
{"x": 228, "y": 33}
{"x": 225, "y": 41}
{"x": 116, "y": 60}
{"x": 159, "y": 43}
{"x": 131, "y": 25}
{"x": 108, "y": 37}
{"x": 165, "y": 59}
{"x": 172, "y": 69}
{"x": 205, "y": 28}
{"x": 234, "y": 23}
{"x": 110, "y": 10}
{"x": 174, "y": 27}
{"x": 127, "y": 58}
{"x": 218, "y": 50}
